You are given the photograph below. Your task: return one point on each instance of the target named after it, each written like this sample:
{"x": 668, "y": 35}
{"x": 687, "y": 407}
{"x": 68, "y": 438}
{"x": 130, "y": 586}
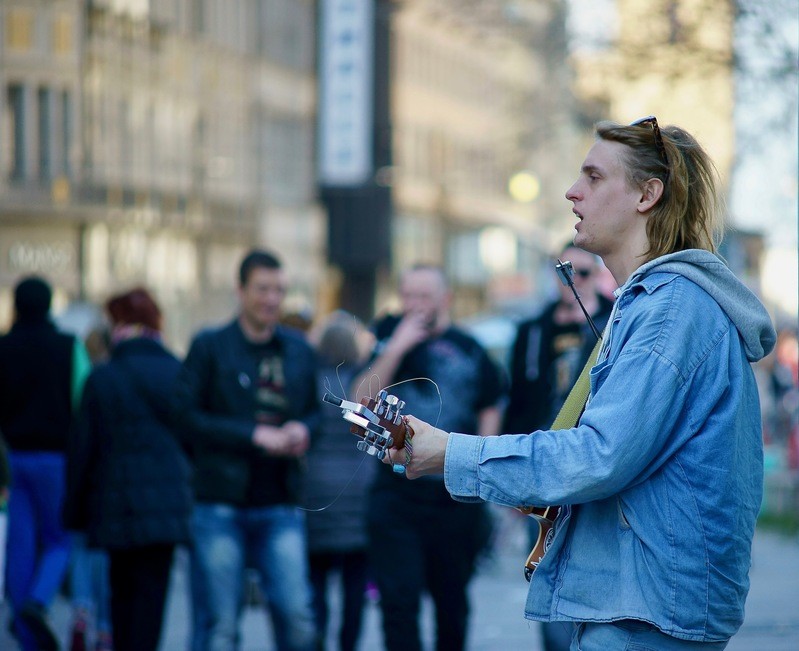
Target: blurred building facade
{"x": 484, "y": 133}
{"x": 153, "y": 142}
{"x": 674, "y": 58}
{"x": 669, "y": 57}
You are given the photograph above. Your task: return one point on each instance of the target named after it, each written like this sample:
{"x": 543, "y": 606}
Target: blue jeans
{"x": 88, "y": 582}
{"x": 227, "y": 539}
{"x": 633, "y": 635}
{"x": 37, "y": 555}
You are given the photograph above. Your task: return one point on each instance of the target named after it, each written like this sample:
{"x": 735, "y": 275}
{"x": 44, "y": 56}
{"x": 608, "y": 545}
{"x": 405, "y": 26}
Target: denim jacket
{"x": 662, "y": 476}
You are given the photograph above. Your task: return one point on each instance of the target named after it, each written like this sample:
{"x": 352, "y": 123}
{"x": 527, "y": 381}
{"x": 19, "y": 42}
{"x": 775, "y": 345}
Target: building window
{"x": 199, "y": 18}
{"x": 45, "y": 134}
{"x": 66, "y": 132}
{"x": 19, "y": 30}
{"x": 287, "y": 33}
{"x": 16, "y": 113}
{"x": 62, "y": 34}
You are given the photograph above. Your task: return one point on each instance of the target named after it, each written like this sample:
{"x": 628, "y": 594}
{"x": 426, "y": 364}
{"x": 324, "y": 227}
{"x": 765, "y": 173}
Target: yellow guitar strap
{"x": 567, "y": 418}
{"x": 571, "y": 410}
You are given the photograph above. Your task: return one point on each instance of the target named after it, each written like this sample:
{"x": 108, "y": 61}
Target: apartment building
{"x": 153, "y": 142}
{"x": 481, "y": 99}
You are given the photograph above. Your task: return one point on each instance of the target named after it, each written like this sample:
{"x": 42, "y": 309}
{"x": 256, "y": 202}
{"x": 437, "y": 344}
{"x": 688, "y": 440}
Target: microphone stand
{"x": 565, "y": 272}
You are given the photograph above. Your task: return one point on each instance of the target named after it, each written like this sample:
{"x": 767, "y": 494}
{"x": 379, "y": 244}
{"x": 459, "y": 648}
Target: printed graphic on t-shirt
{"x": 457, "y": 374}
{"x": 567, "y": 345}
{"x": 270, "y": 394}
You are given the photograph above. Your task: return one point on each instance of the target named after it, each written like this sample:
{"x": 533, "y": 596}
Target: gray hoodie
{"x": 738, "y": 302}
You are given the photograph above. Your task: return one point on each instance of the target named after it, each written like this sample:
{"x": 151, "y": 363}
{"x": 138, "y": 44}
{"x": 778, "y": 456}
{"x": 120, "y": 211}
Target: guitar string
{"x": 329, "y": 389}
{"x": 363, "y": 458}
{"x": 438, "y": 391}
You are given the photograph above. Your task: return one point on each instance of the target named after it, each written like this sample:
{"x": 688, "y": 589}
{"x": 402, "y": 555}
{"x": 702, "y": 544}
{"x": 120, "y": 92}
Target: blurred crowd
{"x": 779, "y": 395}
{"x": 114, "y": 453}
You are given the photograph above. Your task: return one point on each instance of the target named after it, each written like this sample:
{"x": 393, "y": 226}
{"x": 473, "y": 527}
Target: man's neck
{"x": 623, "y": 262}
{"x": 622, "y": 267}
{"x": 255, "y": 334}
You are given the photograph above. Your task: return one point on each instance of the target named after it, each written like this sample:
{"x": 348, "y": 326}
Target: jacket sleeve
{"x": 5, "y": 471}
{"x": 611, "y": 445}
{"x": 522, "y": 406}
{"x": 308, "y": 406}
{"x": 195, "y": 416}
{"x": 82, "y": 459}
{"x": 639, "y": 414}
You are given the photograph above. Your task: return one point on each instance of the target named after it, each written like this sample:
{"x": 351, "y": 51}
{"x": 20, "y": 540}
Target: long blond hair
{"x": 689, "y": 214}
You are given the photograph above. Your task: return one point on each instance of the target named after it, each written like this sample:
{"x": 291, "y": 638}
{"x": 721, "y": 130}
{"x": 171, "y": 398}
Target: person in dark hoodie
{"x": 660, "y": 477}
{"x": 42, "y": 372}
{"x": 128, "y": 478}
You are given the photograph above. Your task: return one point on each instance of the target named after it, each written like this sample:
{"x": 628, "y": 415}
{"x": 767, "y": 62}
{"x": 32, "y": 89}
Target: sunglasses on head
{"x": 652, "y": 120}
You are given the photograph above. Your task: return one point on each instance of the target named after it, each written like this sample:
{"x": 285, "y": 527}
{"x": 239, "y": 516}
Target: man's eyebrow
{"x": 588, "y": 168}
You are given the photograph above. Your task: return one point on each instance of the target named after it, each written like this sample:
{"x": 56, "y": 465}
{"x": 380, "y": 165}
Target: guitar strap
{"x": 575, "y": 402}
{"x": 567, "y": 417}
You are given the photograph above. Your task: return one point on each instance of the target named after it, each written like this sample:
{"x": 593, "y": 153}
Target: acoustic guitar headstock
{"x": 377, "y": 421}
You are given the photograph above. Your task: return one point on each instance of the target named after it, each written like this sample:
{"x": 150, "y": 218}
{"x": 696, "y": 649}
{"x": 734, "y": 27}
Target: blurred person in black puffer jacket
{"x": 41, "y": 378}
{"x": 128, "y": 479}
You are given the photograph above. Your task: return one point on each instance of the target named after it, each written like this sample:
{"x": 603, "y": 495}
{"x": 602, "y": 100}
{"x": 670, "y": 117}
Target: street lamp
{"x": 524, "y": 186}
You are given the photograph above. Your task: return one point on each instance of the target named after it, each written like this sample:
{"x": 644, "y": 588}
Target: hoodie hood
{"x": 738, "y": 302}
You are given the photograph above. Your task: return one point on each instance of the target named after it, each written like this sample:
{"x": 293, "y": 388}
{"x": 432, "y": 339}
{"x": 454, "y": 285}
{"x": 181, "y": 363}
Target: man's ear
{"x": 651, "y": 191}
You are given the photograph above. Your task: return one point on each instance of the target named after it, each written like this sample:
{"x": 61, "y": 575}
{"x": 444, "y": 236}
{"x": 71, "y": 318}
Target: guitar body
{"x": 545, "y": 519}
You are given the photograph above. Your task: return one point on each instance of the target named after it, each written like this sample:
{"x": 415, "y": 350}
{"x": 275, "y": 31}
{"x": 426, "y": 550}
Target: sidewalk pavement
{"x": 498, "y": 594}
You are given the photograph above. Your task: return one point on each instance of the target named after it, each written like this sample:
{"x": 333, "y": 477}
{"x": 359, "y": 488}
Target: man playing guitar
{"x": 660, "y": 480}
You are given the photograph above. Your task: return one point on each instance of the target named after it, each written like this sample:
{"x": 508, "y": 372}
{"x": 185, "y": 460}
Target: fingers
{"x": 412, "y": 329}
{"x": 290, "y": 440}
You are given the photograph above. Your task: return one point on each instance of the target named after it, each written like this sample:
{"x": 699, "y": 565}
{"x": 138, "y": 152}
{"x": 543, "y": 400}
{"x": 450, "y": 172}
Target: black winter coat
{"x": 35, "y": 387}
{"x": 531, "y": 402}
{"x": 128, "y": 481}
{"x": 214, "y": 406}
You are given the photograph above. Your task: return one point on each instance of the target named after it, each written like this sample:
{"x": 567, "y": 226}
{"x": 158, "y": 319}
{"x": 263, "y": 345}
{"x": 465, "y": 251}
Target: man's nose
{"x": 571, "y": 194}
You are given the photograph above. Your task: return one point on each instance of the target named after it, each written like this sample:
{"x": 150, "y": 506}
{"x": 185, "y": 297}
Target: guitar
{"x": 545, "y": 518}
{"x": 380, "y": 425}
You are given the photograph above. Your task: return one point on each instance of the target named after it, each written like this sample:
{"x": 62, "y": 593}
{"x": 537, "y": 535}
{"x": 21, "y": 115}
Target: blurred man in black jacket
{"x": 246, "y": 404}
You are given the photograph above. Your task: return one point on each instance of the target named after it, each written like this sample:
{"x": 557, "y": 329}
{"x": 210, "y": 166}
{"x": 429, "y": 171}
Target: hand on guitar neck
{"x": 409, "y": 444}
